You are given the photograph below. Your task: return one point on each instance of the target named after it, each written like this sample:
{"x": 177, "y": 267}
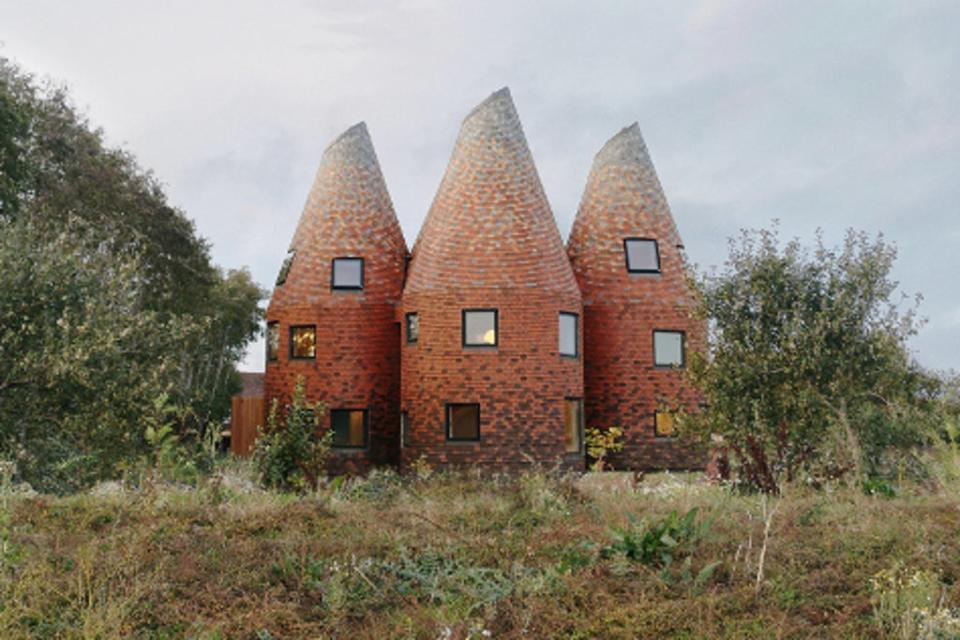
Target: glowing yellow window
{"x": 303, "y": 342}
{"x": 664, "y": 424}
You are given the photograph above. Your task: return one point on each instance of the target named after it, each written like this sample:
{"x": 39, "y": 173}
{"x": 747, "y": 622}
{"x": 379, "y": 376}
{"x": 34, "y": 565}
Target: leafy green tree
{"x": 808, "y": 371}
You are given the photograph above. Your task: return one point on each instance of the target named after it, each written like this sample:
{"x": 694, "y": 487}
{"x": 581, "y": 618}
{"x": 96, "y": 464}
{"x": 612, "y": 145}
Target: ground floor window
{"x": 303, "y": 342}
{"x": 573, "y": 424}
{"x": 349, "y": 427}
{"x": 663, "y": 424}
{"x": 463, "y": 421}
{"x": 404, "y": 428}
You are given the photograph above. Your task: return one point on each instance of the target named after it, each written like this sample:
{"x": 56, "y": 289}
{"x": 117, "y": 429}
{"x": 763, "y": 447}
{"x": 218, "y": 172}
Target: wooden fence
{"x": 246, "y": 414}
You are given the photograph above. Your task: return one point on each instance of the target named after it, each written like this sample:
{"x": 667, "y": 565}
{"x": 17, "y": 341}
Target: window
{"x": 573, "y": 424}
{"x": 463, "y": 422}
{"x": 643, "y": 255}
{"x": 404, "y": 427}
{"x": 347, "y": 273}
{"x": 273, "y": 341}
{"x": 303, "y": 342}
{"x": 285, "y": 267}
{"x": 663, "y": 424}
{"x": 668, "y": 349}
{"x": 480, "y": 328}
{"x": 413, "y": 327}
{"x": 568, "y": 334}
{"x": 349, "y": 428}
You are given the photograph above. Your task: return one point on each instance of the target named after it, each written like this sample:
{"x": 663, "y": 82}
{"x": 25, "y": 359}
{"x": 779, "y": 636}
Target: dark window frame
{"x": 366, "y": 429}
{"x": 626, "y": 254}
{"x": 656, "y": 433}
{"x": 271, "y": 324}
{"x": 480, "y": 345}
{"x": 293, "y": 328}
{"x": 581, "y": 427}
{"x": 406, "y": 326}
{"x": 404, "y": 429}
{"x": 333, "y": 279}
{"x": 683, "y": 349}
{"x": 446, "y": 414}
{"x": 576, "y": 336}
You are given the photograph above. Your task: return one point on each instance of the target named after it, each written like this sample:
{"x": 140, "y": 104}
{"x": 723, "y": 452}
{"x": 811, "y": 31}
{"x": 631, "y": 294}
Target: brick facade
{"x": 623, "y": 199}
{"x": 357, "y": 363}
{"x": 489, "y": 241}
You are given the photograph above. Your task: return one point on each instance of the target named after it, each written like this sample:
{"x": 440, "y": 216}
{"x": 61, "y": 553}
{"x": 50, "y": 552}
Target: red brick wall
{"x": 348, "y": 213}
{"x": 623, "y": 199}
{"x": 490, "y": 241}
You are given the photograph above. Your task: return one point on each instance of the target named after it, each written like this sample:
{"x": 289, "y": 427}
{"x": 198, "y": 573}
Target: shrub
{"x": 601, "y": 443}
{"x": 291, "y": 454}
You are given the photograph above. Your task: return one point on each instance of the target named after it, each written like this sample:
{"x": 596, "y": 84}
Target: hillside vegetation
{"x": 474, "y": 556}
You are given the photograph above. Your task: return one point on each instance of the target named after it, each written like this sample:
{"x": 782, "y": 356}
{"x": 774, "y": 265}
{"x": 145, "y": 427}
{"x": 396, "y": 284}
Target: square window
{"x": 303, "y": 342}
{"x": 663, "y": 424}
{"x": 643, "y": 255}
{"x": 413, "y": 327}
{"x": 568, "y": 334}
{"x": 273, "y": 341}
{"x": 480, "y": 328}
{"x": 573, "y": 425}
{"x": 463, "y": 422}
{"x": 668, "y": 349}
{"x": 349, "y": 428}
{"x": 347, "y": 273}
{"x": 285, "y": 267}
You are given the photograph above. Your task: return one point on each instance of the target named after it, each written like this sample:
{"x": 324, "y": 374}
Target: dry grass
{"x": 455, "y": 556}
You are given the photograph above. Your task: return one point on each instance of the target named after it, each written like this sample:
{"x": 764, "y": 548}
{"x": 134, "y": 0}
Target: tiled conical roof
{"x": 490, "y": 225}
{"x": 348, "y": 213}
{"x": 623, "y": 192}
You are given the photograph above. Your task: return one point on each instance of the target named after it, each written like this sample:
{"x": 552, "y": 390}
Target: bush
{"x": 291, "y": 454}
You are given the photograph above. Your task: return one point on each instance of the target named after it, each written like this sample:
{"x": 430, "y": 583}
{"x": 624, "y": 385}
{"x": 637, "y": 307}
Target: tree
{"x": 808, "y": 370}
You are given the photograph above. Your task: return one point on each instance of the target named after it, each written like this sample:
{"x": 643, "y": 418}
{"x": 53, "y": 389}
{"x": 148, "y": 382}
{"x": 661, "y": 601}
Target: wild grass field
{"x": 470, "y": 555}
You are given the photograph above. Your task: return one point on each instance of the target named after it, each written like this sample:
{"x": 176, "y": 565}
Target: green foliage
{"x": 108, "y": 299}
{"x": 291, "y": 453}
{"x": 660, "y": 543}
{"x": 601, "y": 443}
{"x": 808, "y": 373}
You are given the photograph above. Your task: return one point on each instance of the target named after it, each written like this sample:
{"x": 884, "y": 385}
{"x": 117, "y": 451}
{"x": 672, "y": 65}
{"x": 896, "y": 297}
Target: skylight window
{"x": 643, "y": 255}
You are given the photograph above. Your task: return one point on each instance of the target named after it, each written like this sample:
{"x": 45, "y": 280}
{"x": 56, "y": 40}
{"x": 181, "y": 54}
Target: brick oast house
{"x": 628, "y": 259}
{"x": 332, "y": 315}
{"x": 477, "y": 348}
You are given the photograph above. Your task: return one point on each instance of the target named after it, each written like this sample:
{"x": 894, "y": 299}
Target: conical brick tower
{"x": 332, "y": 315}
{"x": 483, "y": 378}
{"x": 627, "y": 257}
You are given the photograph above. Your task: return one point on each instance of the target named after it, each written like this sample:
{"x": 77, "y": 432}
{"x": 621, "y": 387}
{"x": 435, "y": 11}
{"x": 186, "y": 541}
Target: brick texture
{"x": 490, "y": 241}
{"x": 348, "y": 214}
{"x": 623, "y": 199}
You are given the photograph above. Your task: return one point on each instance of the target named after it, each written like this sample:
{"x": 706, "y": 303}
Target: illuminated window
{"x": 573, "y": 425}
{"x": 668, "y": 349}
{"x": 347, "y": 273}
{"x": 463, "y": 422}
{"x": 349, "y": 428}
{"x": 663, "y": 424}
{"x": 285, "y": 267}
{"x": 303, "y": 342}
{"x": 643, "y": 256}
{"x": 413, "y": 327}
{"x": 568, "y": 334}
{"x": 273, "y": 341}
{"x": 480, "y": 328}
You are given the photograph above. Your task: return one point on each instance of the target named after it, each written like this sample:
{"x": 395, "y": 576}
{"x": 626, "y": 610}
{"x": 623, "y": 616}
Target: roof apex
{"x": 625, "y": 148}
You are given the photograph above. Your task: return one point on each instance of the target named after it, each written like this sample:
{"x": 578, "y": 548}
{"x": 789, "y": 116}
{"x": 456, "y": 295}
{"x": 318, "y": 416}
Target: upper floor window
{"x": 668, "y": 349}
{"x": 347, "y": 273}
{"x": 303, "y": 342}
{"x": 463, "y": 421}
{"x": 643, "y": 255}
{"x": 568, "y": 334}
{"x": 273, "y": 341}
{"x": 285, "y": 267}
{"x": 573, "y": 424}
{"x": 349, "y": 428}
{"x": 413, "y": 327}
{"x": 480, "y": 328}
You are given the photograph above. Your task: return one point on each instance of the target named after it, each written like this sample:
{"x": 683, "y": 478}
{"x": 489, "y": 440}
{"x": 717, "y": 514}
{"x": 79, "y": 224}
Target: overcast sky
{"x": 821, "y": 114}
